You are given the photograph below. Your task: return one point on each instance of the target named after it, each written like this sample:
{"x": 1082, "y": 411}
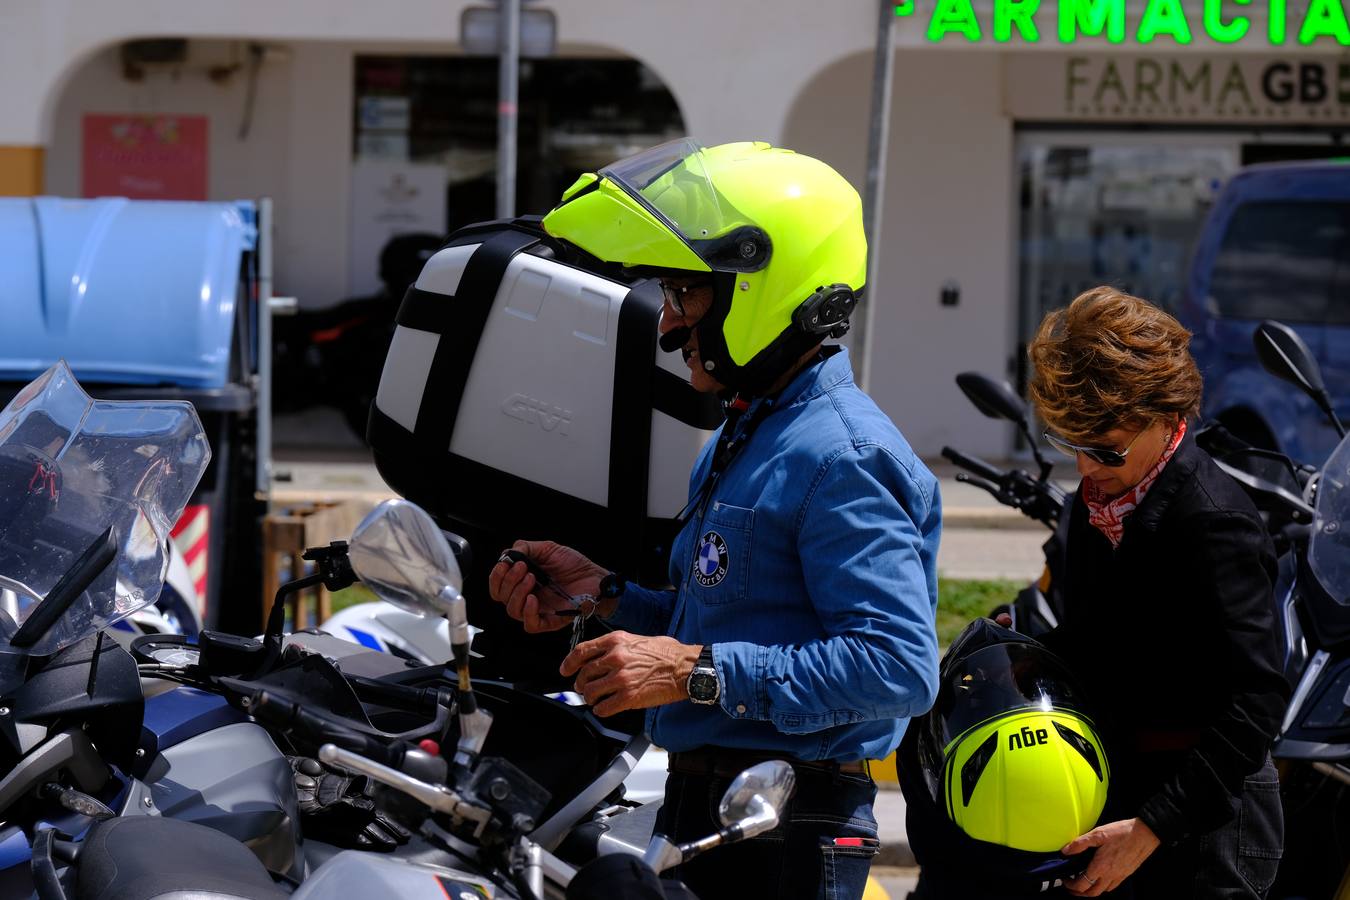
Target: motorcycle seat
{"x": 153, "y": 858}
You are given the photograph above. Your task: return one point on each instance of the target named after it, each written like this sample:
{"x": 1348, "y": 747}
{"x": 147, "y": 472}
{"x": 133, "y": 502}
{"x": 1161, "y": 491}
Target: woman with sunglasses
{"x": 1169, "y": 614}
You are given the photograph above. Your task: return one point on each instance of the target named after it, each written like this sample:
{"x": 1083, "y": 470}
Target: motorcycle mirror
{"x": 996, "y": 399}
{"x": 1284, "y": 355}
{"x": 752, "y": 805}
{"x": 400, "y": 553}
{"x": 755, "y": 799}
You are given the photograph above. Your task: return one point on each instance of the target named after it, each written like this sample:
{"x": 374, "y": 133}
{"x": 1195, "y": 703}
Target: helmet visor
{"x": 672, "y": 181}
{"x": 996, "y": 680}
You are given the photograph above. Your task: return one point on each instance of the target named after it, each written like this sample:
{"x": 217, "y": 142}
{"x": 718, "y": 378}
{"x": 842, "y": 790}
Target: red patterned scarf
{"x": 1109, "y": 515}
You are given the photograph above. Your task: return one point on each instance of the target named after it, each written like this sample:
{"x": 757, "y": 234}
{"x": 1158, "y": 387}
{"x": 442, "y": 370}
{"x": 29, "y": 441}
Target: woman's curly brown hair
{"x": 1110, "y": 361}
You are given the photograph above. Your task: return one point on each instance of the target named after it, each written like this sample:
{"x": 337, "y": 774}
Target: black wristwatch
{"x": 703, "y": 685}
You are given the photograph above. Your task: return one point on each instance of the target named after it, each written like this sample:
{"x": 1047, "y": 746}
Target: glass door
{"x": 1124, "y": 209}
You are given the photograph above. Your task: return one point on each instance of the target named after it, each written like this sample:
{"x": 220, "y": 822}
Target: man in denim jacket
{"x": 801, "y": 621}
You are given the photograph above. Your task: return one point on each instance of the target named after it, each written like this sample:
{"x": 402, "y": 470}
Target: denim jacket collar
{"x": 819, "y": 376}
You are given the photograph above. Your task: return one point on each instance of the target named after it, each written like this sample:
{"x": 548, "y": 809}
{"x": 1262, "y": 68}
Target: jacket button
{"x": 740, "y": 708}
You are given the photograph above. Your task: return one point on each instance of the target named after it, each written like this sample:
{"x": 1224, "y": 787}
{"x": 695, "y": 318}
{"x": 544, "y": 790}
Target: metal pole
{"x": 508, "y": 80}
{"x": 874, "y": 192}
{"x": 263, "y": 473}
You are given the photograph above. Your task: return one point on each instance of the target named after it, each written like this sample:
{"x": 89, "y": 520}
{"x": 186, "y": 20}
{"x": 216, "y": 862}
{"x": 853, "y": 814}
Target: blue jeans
{"x": 822, "y": 847}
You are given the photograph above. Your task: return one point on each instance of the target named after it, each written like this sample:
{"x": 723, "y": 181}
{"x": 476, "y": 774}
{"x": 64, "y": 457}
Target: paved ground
{"x": 896, "y": 881}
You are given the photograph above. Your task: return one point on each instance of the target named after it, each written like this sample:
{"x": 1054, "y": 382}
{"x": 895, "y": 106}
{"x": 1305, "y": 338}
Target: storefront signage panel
{"x": 145, "y": 157}
{"x": 1193, "y": 89}
{"x": 1140, "y": 22}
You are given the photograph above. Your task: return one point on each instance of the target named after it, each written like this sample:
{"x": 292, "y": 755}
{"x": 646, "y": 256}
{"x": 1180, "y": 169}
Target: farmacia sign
{"x": 1322, "y": 22}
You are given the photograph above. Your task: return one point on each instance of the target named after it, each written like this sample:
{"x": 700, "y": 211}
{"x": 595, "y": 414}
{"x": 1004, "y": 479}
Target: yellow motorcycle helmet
{"x": 780, "y": 234}
{"x": 1010, "y": 751}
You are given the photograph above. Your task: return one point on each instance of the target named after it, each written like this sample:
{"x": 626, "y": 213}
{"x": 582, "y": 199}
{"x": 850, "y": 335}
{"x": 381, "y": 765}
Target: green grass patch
{"x": 960, "y": 601}
{"x": 357, "y": 593}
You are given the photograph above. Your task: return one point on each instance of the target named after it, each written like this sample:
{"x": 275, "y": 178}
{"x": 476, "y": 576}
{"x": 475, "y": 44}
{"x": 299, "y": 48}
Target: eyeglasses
{"x": 674, "y": 294}
{"x": 1113, "y": 459}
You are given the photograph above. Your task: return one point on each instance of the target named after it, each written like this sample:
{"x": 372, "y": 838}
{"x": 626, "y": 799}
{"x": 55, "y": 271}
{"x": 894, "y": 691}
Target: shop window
{"x": 575, "y": 116}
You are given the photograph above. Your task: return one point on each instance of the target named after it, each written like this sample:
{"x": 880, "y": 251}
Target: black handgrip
{"x": 398, "y": 696}
{"x": 284, "y": 714}
{"x": 974, "y": 464}
{"x": 983, "y": 484}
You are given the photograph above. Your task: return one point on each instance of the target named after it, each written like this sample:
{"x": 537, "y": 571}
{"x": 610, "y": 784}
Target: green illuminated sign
{"x": 1223, "y": 21}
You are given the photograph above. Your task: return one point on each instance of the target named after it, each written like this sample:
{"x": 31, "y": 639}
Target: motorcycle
{"x": 101, "y": 770}
{"x": 483, "y": 821}
{"x": 1309, "y": 510}
{"x": 87, "y": 491}
{"x": 1038, "y": 607}
{"x": 335, "y": 355}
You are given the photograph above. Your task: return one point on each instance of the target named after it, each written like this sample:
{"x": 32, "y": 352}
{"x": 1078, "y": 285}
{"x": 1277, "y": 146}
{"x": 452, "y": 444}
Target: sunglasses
{"x": 1113, "y": 459}
{"x": 674, "y": 294}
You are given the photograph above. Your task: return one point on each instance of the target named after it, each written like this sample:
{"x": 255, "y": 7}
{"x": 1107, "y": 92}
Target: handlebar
{"x": 973, "y": 464}
{"x": 983, "y": 484}
{"x": 395, "y": 754}
{"x": 1036, "y": 498}
{"x": 398, "y": 696}
{"x": 436, "y": 796}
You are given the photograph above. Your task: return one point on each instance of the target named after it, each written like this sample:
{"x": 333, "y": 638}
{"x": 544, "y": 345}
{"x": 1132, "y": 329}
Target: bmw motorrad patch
{"x": 710, "y": 565}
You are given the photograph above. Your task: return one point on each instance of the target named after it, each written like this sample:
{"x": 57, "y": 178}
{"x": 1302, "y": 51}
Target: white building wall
{"x": 733, "y": 81}
{"x": 949, "y": 215}
{"x": 796, "y": 72}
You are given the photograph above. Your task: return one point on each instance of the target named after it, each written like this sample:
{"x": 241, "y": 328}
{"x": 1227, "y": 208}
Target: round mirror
{"x": 1284, "y": 355}
{"x": 996, "y": 399}
{"x": 400, "y": 553}
{"x": 765, "y": 787}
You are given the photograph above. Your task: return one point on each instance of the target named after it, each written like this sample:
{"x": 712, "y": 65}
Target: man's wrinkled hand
{"x": 513, "y": 586}
{"x": 621, "y": 671}
{"x": 1121, "y": 846}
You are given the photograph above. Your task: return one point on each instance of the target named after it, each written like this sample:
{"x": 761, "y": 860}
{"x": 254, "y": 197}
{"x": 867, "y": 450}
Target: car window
{"x": 1286, "y": 260}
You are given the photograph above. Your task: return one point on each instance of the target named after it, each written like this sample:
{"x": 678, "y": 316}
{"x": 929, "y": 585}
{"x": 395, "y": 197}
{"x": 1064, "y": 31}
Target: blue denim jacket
{"x": 812, "y": 571}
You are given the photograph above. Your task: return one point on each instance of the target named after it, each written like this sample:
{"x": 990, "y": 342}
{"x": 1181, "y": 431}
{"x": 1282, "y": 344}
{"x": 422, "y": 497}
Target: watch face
{"x": 703, "y": 685}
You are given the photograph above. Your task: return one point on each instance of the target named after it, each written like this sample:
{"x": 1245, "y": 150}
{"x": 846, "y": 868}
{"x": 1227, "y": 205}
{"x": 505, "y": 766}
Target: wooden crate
{"x": 287, "y": 533}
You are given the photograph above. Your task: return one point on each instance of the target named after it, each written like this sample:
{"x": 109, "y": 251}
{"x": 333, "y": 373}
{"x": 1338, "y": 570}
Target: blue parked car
{"x": 1276, "y": 245}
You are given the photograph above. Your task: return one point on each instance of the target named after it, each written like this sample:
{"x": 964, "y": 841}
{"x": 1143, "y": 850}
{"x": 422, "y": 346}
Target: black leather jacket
{"x": 1173, "y": 633}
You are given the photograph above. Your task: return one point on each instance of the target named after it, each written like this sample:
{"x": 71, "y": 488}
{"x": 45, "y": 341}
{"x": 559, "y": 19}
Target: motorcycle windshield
{"x": 72, "y": 468}
{"x": 1329, "y": 547}
{"x": 673, "y": 182}
{"x": 997, "y": 680}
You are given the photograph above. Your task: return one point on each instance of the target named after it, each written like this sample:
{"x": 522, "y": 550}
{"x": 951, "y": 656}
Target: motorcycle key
{"x": 541, "y": 578}
{"x": 582, "y": 604}
{"x": 585, "y": 609}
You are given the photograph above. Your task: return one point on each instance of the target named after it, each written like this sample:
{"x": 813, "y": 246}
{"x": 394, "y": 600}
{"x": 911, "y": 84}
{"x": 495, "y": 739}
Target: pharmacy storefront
{"x": 1109, "y": 126}
{"x": 1119, "y": 157}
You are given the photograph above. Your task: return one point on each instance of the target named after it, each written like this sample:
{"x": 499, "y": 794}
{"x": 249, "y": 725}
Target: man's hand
{"x": 622, "y": 671}
{"x": 1121, "y": 848}
{"x": 574, "y": 574}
